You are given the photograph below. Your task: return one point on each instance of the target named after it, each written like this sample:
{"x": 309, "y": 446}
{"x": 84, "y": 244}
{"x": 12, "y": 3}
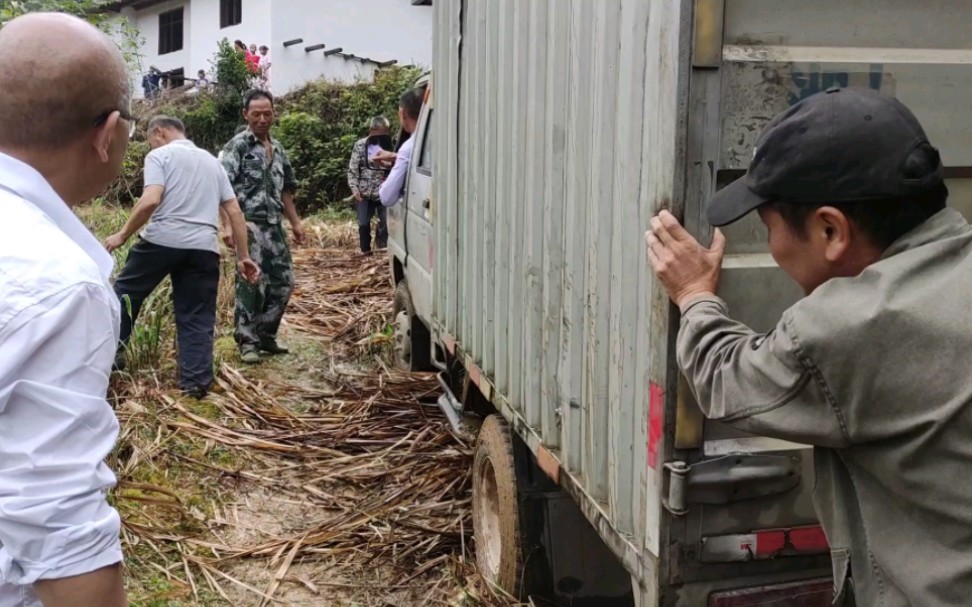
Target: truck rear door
{"x": 747, "y": 507}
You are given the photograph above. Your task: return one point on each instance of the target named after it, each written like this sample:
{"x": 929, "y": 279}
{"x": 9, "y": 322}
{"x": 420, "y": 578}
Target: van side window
{"x": 425, "y": 160}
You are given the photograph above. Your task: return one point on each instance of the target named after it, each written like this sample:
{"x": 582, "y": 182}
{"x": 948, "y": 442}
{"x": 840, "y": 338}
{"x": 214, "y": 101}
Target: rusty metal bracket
{"x": 728, "y": 479}
{"x": 674, "y": 502}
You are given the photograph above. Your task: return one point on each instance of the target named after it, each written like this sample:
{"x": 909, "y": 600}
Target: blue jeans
{"x": 366, "y": 210}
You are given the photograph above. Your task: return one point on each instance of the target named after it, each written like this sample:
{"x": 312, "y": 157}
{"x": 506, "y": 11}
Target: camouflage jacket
{"x": 362, "y": 178}
{"x": 259, "y": 184}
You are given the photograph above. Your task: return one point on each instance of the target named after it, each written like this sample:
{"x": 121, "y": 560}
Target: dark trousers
{"x": 366, "y": 210}
{"x": 195, "y": 281}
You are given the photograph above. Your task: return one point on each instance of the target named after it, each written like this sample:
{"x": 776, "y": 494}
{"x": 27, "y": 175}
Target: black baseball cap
{"x": 840, "y": 146}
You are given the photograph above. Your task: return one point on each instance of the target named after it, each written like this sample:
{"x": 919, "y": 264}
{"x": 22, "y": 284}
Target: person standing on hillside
{"x": 265, "y": 65}
{"x": 185, "y": 189}
{"x": 151, "y": 82}
{"x": 62, "y": 141}
{"x": 250, "y": 57}
{"x": 365, "y": 178}
{"x": 264, "y": 183}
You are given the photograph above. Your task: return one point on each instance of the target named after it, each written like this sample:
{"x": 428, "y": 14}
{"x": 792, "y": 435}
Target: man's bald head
{"x": 58, "y": 75}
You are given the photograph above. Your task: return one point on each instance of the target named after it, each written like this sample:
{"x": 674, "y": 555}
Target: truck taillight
{"x": 809, "y": 593}
{"x": 764, "y": 544}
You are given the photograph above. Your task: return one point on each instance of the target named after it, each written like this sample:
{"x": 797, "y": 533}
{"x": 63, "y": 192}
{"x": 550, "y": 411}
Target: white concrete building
{"x": 341, "y": 40}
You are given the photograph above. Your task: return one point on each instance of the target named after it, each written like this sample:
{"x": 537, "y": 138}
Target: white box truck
{"x": 552, "y": 131}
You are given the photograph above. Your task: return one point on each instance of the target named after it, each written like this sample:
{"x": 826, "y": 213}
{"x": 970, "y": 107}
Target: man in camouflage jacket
{"x": 264, "y": 183}
{"x": 365, "y": 177}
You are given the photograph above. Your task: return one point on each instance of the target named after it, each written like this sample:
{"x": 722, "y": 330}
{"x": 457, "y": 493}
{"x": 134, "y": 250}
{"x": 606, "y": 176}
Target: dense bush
{"x": 128, "y": 187}
{"x": 317, "y": 125}
{"x": 211, "y": 118}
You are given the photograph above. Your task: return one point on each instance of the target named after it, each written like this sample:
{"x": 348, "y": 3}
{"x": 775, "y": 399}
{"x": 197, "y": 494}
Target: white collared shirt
{"x": 59, "y": 322}
{"x": 391, "y": 189}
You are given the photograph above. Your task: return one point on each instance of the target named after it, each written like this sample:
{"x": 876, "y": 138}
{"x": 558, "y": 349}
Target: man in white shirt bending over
{"x": 62, "y": 141}
{"x": 185, "y": 190}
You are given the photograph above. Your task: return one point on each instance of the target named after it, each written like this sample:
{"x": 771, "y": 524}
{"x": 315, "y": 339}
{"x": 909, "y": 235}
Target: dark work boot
{"x": 120, "y": 360}
{"x": 197, "y": 392}
{"x": 271, "y": 346}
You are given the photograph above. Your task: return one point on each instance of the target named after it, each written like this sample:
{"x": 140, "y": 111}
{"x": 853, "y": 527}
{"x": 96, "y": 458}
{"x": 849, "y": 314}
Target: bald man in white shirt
{"x": 62, "y": 141}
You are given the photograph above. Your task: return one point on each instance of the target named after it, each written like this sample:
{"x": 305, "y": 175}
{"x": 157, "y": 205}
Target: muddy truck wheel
{"x": 412, "y": 339}
{"x": 502, "y": 523}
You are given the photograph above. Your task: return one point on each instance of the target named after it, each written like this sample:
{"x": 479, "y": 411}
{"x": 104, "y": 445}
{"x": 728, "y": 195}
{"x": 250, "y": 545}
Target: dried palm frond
{"x": 359, "y": 450}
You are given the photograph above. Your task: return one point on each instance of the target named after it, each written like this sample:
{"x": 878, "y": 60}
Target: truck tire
{"x": 412, "y": 339}
{"x": 498, "y": 525}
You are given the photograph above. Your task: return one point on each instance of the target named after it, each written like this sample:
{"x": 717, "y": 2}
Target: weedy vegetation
{"x": 323, "y": 477}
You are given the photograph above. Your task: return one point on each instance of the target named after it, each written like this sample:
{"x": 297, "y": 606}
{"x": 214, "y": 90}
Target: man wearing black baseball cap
{"x": 872, "y": 366}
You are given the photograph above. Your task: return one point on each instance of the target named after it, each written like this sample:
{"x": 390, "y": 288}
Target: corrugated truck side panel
{"x": 564, "y": 143}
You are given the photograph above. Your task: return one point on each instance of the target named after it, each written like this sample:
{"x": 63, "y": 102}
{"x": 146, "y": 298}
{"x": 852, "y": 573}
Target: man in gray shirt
{"x": 185, "y": 188}
{"x": 871, "y": 367}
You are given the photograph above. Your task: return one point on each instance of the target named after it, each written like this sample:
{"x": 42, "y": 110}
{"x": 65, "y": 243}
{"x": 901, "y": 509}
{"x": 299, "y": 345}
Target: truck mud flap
{"x": 450, "y": 405}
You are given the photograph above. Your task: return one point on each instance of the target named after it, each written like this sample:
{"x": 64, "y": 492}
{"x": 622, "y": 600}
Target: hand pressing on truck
{"x": 685, "y": 268}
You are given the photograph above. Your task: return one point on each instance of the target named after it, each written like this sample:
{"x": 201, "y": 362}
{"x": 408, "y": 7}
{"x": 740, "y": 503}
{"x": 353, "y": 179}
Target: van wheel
{"x": 412, "y": 339}
{"x": 500, "y": 525}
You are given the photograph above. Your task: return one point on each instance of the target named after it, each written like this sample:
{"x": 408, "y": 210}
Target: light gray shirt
{"x": 195, "y": 185}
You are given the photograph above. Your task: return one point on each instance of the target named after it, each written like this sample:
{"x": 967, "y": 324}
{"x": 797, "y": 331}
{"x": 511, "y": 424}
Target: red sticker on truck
{"x": 656, "y": 402}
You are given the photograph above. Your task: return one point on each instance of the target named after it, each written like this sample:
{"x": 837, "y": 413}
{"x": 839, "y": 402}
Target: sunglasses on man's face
{"x": 125, "y": 115}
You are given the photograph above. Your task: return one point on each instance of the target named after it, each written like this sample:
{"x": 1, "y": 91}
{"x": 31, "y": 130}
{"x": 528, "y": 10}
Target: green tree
{"x": 121, "y": 30}
{"x": 233, "y": 76}
{"x": 213, "y": 119}
{"x": 88, "y": 9}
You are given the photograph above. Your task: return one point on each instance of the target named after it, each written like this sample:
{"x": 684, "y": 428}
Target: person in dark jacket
{"x": 365, "y": 176}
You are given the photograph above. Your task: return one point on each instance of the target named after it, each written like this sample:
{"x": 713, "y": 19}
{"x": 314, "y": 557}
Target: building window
{"x": 230, "y": 13}
{"x": 170, "y": 31}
